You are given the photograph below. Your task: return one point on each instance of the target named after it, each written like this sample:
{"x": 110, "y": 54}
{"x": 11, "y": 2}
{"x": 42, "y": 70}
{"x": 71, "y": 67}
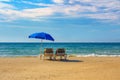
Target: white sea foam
{"x": 96, "y": 55}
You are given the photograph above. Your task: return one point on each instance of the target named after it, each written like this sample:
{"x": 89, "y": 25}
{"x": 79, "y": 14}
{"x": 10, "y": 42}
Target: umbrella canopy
{"x": 42, "y": 35}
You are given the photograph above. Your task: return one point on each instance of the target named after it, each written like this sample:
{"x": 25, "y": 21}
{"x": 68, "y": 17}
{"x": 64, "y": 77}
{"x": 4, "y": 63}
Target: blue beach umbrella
{"x": 42, "y": 36}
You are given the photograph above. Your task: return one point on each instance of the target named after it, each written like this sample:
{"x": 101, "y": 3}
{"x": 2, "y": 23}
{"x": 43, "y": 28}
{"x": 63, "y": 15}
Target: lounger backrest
{"x": 48, "y": 50}
{"x": 61, "y": 50}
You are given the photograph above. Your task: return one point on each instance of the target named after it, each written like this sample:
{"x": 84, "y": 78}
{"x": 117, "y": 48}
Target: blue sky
{"x": 65, "y": 20}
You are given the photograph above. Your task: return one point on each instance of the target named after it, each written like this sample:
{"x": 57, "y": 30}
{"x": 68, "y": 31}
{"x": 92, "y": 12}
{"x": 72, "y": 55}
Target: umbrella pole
{"x": 41, "y": 49}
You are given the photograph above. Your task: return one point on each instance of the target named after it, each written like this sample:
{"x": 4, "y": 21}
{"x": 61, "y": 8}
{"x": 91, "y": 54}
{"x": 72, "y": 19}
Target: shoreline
{"x": 69, "y": 55}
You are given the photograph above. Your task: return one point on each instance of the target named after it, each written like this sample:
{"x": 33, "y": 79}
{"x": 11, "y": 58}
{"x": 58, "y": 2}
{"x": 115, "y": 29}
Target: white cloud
{"x": 5, "y": 12}
{"x": 73, "y": 1}
{"x": 77, "y": 9}
{"x": 58, "y": 1}
{"x": 107, "y": 16}
{"x": 26, "y": 13}
{"x": 5, "y": 0}
{"x": 106, "y": 10}
{"x": 37, "y": 12}
{"x": 5, "y": 6}
{"x": 38, "y": 4}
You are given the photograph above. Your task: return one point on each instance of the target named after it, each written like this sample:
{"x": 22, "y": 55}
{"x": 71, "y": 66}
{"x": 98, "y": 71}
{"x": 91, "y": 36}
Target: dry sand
{"x": 82, "y": 68}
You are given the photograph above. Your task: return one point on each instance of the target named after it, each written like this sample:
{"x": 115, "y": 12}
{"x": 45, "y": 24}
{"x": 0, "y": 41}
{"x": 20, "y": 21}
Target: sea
{"x": 72, "y": 48}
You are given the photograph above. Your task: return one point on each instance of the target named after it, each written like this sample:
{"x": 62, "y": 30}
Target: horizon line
{"x": 64, "y": 42}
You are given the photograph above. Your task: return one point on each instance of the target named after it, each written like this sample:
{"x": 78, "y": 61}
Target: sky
{"x": 65, "y": 20}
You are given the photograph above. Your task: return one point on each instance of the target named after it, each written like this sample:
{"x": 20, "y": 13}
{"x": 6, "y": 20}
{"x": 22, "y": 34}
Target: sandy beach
{"x": 76, "y": 68}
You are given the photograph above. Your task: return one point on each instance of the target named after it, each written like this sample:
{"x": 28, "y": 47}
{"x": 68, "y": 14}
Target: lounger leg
{"x": 65, "y": 57}
{"x": 60, "y": 57}
{"x": 54, "y": 57}
{"x": 50, "y": 57}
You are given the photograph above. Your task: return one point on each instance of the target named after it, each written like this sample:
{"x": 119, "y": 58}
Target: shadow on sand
{"x": 65, "y": 60}
{"x": 71, "y": 60}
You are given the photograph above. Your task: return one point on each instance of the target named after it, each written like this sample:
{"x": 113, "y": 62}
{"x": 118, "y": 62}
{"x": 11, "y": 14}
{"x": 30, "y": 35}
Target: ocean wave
{"x": 18, "y": 55}
{"x": 69, "y": 55}
{"x": 96, "y": 55}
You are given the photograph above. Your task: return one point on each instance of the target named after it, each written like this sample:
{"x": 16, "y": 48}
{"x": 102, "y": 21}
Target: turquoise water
{"x": 80, "y": 49}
